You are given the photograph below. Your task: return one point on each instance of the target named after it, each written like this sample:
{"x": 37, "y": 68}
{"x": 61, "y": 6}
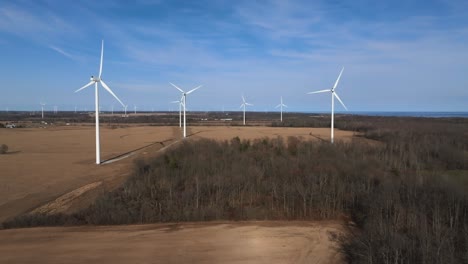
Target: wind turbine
{"x": 42, "y": 109}
{"x": 333, "y": 95}
{"x": 180, "y": 102}
{"x": 244, "y": 103}
{"x": 281, "y": 107}
{"x": 134, "y": 109}
{"x": 96, "y": 81}
{"x": 184, "y": 101}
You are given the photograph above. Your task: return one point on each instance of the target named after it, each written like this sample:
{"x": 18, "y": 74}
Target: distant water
{"x": 412, "y": 114}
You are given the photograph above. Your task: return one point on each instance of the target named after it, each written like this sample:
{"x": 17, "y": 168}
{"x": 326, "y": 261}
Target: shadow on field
{"x": 12, "y": 152}
{"x": 317, "y": 137}
{"x": 124, "y": 155}
{"x": 201, "y": 131}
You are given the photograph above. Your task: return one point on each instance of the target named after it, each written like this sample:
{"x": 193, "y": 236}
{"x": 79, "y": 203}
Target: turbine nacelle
{"x": 95, "y": 79}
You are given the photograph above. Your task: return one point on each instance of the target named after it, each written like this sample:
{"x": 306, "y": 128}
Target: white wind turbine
{"x": 180, "y": 102}
{"x": 281, "y": 107}
{"x": 134, "y": 109}
{"x": 184, "y": 101}
{"x": 333, "y": 95}
{"x": 243, "y": 105}
{"x": 42, "y": 109}
{"x": 95, "y": 81}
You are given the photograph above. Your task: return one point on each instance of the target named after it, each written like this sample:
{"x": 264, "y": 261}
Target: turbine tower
{"x": 96, "y": 81}
{"x": 184, "y": 100}
{"x": 42, "y": 109}
{"x": 333, "y": 95}
{"x": 244, "y": 103}
{"x": 281, "y": 107}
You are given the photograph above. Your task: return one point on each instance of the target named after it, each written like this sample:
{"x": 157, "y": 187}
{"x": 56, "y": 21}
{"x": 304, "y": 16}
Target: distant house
{"x": 10, "y": 126}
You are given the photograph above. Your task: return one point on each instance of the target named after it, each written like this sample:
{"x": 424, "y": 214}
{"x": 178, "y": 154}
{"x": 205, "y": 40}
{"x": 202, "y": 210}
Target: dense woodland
{"x": 402, "y": 192}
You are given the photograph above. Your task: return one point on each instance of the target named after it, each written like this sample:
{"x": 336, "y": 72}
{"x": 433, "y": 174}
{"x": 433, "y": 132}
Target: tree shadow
{"x": 128, "y": 153}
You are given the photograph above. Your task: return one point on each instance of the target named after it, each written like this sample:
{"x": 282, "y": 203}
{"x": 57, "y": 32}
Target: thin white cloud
{"x": 60, "y": 51}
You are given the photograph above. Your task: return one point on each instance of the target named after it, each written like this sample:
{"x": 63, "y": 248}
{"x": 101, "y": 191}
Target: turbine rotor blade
{"x": 321, "y": 91}
{"x": 337, "y": 97}
{"x": 102, "y": 55}
{"x": 248, "y": 104}
{"x": 243, "y": 98}
{"x": 241, "y": 105}
{"x": 110, "y": 91}
{"x": 337, "y": 80}
{"x": 177, "y": 87}
{"x": 191, "y": 91}
{"x": 90, "y": 83}
{"x": 173, "y": 102}
{"x": 278, "y": 106}
{"x": 285, "y": 105}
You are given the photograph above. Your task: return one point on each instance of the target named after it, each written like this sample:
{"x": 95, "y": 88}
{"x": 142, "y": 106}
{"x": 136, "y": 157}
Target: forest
{"x": 401, "y": 192}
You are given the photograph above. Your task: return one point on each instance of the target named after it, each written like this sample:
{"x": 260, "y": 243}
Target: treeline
{"x": 405, "y": 194}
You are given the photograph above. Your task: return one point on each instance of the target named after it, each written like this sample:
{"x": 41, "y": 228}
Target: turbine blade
{"x": 241, "y": 105}
{"x": 110, "y": 91}
{"x": 278, "y": 106}
{"x": 173, "y": 102}
{"x": 243, "y": 98}
{"x": 91, "y": 82}
{"x": 248, "y": 104}
{"x": 102, "y": 55}
{"x": 337, "y": 80}
{"x": 194, "y": 89}
{"x": 321, "y": 91}
{"x": 177, "y": 87}
{"x": 285, "y": 105}
{"x": 337, "y": 97}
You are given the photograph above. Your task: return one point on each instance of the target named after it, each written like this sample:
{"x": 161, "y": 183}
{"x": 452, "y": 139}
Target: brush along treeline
{"x": 406, "y": 194}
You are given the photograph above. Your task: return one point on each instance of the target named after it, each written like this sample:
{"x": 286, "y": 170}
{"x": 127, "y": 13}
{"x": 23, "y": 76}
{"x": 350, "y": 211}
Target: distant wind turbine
{"x": 281, "y": 107}
{"x": 333, "y": 95}
{"x": 180, "y": 102}
{"x": 244, "y": 104}
{"x": 134, "y": 109}
{"x": 42, "y": 109}
{"x": 184, "y": 100}
{"x": 95, "y": 81}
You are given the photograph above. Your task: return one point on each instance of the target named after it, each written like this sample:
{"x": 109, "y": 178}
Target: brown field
{"x": 55, "y": 167}
{"x": 230, "y": 242}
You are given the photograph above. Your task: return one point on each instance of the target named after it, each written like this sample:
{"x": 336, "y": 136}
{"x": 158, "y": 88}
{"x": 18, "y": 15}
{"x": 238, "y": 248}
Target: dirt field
{"x": 52, "y": 170}
{"x": 232, "y": 242}
{"x": 45, "y": 163}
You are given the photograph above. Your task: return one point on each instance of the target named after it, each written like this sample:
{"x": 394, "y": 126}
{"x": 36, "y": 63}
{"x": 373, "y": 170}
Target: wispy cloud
{"x": 64, "y": 53}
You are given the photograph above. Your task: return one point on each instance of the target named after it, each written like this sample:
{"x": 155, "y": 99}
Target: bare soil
{"x": 45, "y": 163}
{"x": 228, "y": 242}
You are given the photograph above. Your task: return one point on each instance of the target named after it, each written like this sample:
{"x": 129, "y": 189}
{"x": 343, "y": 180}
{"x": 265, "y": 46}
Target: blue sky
{"x": 398, "y": 55}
